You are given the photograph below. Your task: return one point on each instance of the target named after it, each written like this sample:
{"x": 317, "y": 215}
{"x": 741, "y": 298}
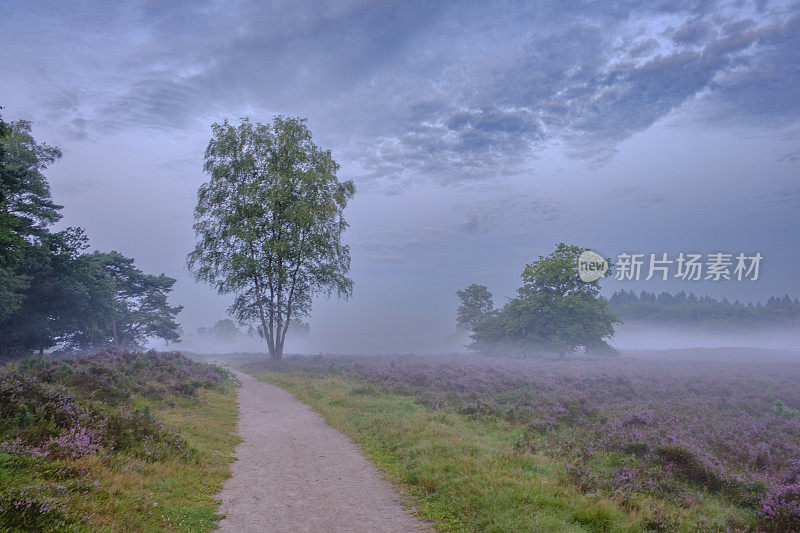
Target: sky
{"x": 479, "y": 135}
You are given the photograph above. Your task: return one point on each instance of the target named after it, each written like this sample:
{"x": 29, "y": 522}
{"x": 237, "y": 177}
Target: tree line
{"x": 690, "y": 308}
{"x": 54, "y": 293}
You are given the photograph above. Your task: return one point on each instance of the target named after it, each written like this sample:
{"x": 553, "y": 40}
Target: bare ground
{"x": 296, "y": 473}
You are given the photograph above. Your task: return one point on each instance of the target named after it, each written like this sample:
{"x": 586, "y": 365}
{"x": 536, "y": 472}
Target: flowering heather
{"x": 54, "y": 412}
{"x": 76, "y": 442}
{"x": 18, "y": 447}
{"x": 679, "y": 429}
{"x": 26, "y": 510}
{"x": 114, "y": 375}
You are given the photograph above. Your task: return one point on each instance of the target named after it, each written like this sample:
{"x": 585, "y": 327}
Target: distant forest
{"x": 704, "y": 310}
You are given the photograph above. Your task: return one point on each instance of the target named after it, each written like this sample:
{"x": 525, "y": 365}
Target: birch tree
{"x": 269, "y": 224}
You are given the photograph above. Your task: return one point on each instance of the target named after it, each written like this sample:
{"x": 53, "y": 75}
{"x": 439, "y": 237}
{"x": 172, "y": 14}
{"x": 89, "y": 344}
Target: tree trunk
{"x": 277, "y": 353}
{"x": 280, "y": 346}
{"x": 266, "y": 329}
{"x": 114, "y": 332}
{"x": 275, "y": 348}
{"x": 274, "y": 344}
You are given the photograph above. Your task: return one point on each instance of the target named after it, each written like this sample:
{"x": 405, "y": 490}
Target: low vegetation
{"x": 115, "y": 441}
{"x": 586, "y": 445}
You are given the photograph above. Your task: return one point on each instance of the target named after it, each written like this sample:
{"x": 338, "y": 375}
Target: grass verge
{"x": 460, "y": 473}
{"x": 134, "y": 482}
{"x": 176, "y": 494}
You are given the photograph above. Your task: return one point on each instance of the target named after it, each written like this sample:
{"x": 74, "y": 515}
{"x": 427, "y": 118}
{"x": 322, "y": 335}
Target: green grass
{"x": 458, "y": 472}
{"x": 119, "y": 493}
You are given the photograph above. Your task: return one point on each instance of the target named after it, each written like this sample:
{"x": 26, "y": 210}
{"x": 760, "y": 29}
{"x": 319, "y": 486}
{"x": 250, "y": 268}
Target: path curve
{"x": 296, "y": 473}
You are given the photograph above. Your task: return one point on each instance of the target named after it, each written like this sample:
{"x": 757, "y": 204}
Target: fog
{"x": 640, "y": 336}
{"x": 478, "y": 138}
{"x": 331, "y": 342}
{"x": 629, "y": 338}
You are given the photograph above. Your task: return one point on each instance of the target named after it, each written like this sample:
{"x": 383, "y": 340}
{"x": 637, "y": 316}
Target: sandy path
{"x": 295, "y": 473}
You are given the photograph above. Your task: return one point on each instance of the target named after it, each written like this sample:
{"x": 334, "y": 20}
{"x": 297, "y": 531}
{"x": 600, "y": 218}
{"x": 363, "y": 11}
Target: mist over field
{"x": 648, "y": 336}
{"x": 477, "y": 139}
{"x": 629, "y": 338}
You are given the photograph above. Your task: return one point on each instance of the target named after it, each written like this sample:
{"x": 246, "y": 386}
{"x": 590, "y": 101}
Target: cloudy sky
{"x": 479, "y": 135}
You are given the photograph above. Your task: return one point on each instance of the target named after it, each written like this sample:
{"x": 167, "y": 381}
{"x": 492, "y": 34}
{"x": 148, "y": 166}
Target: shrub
{"x": 75, "y": 442}
{"x": 781, "y": 507}
{"x": 683, "y": 462}
{"x": 74, "y": 407}
{"x": 23, "y": 510}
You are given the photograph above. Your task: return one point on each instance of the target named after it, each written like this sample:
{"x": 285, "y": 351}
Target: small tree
{"x": 269, "y": 224}
{"x": 225, "y": 330}
{"x": 554, "y": 311}
{"x": 476, "y": 304}
{"x": 140, "y": 308}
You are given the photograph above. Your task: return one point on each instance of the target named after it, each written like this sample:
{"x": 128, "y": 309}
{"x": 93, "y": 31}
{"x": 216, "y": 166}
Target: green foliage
{"x": 53, "y": 301}
{"x": 140, "y": 308}
{"x": 476, "y": 305}
{"x": 556, "y": 275}
{"x": 24, "y": 191}
{"x": 35, "y": 283}
{"x": 51, "y": 293}
{"x": 26, "y": 209}
{"x": 269, "y": 224}
{"x": 553, "y": 312}
{"x": 87, "y": 301}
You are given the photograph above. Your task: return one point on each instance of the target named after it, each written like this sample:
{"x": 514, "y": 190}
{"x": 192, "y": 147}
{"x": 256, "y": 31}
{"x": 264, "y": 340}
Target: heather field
{"x": 703, "y": 440}
{"x": 115, "y": 441}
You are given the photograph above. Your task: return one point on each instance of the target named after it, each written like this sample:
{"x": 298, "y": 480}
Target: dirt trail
{"x": 296, "y": 473}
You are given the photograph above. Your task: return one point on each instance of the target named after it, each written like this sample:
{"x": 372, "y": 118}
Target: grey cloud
{"x": 644, "y": 48}
{"x": 401, "y": 245}
{"x": 575, "y": 84}
{"x": 66, "y": 107}
{"x": 519, "y": 208}
{"x": 475, "y": 141}
{"x": 445, "y": 92}
{"x": 764, "y": 88}
{"x": 156, "y": 103}
{"x": 781, "y": 199}
{"x": 638, "y": 197}
{"x": 693, "y": 32}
